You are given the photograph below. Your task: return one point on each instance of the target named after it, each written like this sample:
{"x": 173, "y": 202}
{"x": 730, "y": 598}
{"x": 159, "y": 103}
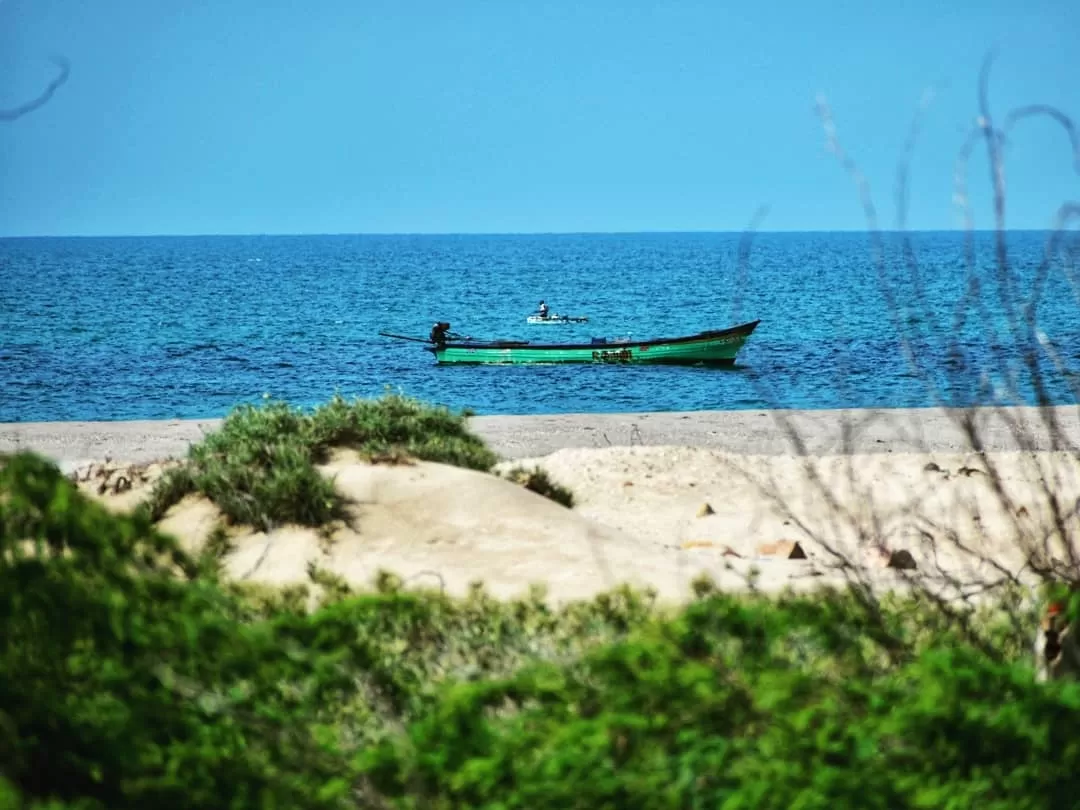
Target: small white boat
{"x": 556, "y": 319}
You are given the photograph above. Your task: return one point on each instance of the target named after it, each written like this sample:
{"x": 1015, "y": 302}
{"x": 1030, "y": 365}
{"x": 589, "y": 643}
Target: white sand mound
{"x": 435, "y": 526}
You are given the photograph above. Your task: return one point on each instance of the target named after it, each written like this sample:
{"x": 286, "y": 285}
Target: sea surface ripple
{"x": 181, "y": 327}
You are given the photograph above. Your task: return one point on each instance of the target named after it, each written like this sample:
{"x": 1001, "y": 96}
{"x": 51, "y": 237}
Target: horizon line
{"x": 298, "y": 234}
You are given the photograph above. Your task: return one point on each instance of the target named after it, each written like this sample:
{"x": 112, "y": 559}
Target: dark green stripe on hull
{"x": 726, "y": 362}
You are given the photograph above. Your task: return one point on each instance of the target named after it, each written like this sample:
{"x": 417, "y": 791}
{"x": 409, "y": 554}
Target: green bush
{"x": 260, "y": 467}
{"x": 125, "y": 678}
{"x": 730, "y": 706}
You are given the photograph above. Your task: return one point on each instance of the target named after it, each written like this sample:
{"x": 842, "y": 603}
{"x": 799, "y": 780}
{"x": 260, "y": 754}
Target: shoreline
{"x": 757, "y": 432}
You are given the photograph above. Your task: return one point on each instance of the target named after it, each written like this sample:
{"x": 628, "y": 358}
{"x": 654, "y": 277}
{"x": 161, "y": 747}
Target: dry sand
{"x": 701, "y": 494}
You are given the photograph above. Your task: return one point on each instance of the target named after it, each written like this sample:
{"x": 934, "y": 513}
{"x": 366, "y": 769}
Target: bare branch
{"x": 43, "y": 99}
{"x": 745, "y": 242}
{"x": 1034, "y": 110}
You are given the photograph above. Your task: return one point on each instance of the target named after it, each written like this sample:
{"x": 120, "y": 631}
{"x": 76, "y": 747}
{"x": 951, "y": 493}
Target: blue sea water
{"x": 171, "y": 327}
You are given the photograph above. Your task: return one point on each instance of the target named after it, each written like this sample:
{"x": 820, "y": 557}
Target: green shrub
{"x": 729, "y": 706}
{"x": 260, "y": 469}
{"x": 393, "y": 422}
{"x": 125, "y": 679}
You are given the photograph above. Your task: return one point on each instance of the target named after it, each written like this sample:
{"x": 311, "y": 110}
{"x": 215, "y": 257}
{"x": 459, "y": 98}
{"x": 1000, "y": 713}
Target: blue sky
{"x": 236, "y": 116}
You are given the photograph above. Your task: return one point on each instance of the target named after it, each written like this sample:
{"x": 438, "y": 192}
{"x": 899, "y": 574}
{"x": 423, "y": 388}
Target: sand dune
{"x": 653, "y": 516}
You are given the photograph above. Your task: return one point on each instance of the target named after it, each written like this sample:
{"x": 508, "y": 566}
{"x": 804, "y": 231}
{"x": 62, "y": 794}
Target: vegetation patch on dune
{"x": 537, "y": 480}
{"x": 260, "y": 467}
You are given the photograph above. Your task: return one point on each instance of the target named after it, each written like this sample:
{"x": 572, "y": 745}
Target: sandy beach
{"x": 756, "y": 432}
{"x": 659, "y": 499}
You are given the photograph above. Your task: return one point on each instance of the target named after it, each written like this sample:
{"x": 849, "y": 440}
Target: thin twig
{"x": 24, "y": 109}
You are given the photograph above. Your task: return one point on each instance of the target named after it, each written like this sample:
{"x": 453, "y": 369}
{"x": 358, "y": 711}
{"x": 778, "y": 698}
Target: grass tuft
{"x": 538, "y": 481}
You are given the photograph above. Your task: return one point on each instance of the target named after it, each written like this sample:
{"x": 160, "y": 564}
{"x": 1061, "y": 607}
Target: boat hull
{"x": 553, "y": 319}
{"x": 715, "y": 348}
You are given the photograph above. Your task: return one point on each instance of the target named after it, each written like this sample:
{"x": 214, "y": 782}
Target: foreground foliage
{"x": 131, "y": 676}
{"x": 260, "y": 467}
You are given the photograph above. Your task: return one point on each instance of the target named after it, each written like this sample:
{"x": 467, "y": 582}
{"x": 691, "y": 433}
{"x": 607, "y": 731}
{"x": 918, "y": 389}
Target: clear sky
{"x": 365, "y": 116}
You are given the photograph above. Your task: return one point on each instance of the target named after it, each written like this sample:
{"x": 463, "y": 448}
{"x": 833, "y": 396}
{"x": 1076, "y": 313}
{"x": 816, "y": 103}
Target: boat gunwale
{"x": 745, "y": 329}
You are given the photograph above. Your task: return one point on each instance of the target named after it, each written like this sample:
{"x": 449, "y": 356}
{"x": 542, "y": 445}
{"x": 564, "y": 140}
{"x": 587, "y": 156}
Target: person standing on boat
{"x": 439, "y": 332}
{"x": 543, "y": 310}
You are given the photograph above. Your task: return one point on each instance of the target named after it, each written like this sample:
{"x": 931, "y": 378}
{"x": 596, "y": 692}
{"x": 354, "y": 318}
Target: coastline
{"x": 757, "y": 432}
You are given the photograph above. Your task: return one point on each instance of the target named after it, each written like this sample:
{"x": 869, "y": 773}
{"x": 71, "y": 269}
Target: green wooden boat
{"x": 711, "y": 348}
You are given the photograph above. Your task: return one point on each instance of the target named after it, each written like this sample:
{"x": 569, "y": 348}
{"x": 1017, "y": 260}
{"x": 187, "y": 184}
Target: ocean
{"x": 189, "y": 327}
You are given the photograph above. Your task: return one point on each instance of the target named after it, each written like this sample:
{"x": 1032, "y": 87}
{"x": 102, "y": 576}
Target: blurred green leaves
{"x": 132, "y": 676}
